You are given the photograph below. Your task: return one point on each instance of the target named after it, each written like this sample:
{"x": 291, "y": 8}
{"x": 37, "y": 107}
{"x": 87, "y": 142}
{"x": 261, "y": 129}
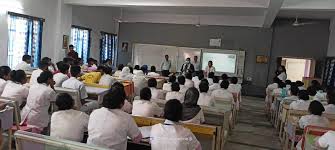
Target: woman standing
{"x": 209, "y": 68}
{"x": 281, "y": 73}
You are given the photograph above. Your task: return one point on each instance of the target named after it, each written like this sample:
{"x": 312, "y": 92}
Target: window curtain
{"x": 25, "y": 38}
{"x": 329, "y": 72}
{"x": 80, "y": 38}
{"x": 108, "y": 47}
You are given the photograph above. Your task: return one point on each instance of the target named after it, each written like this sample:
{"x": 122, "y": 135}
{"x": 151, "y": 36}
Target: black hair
{"x": 64, "y": 101}
{"x": 203, "y": 87}
{"x": 175, "y": 86}
{"x": 108, "y": 70}
{"x": 131, "y": 69}
{"x": 101, "y": 68}
{"x": 294, "y": 90}
{"x": 145, "y": 94}
{"x": 224, "y": 84}
{"x": 137, "y": 67}
{"x": 90, "y": 60}
{"x": 71, "y": 46}
{"x": 312, "y": 90}
{"x": 224, "y": 76}
{"x": 120, "y": 67}
{"x": 201, "y": 76}
{"x": 18, "y": 76}
{"x": 299, "y": 83}
{"x": 211, "y": 62}
{"x": 281, "y": 85}
{"x": 119, "y": 85}
{"x": 181, "y": 80}
{"x": 47, "y": 59}
{"x": 173, "y": 110}
{"x": 114, "y": 99}
{"x": 216, "y": 79}
{"x": 211, "y": 75}
{"x": 288, "y": 82}
{"x": 68, "y": 60}
{"x": 233, "y": 80}
{"x": 4, "y": 71}
{"x": 303, "y": 95}
{"x": 283, "y": 68}
{"x": 276, "y": 80}
{"x": 172, "y": 78}
{"x": 63, "y": 67}
{"x": 152, "y": 69}
{"x": 43, "y": 65}
{"x": 44, "y": 77}
{"x": 316, "y": 108}
{"x": 205, "y": 80}
{"x": 152, "y": 82}
{"x": 188, "y": 76}
{"x": 26, "y": 57}
{"x": 75, "y": 71}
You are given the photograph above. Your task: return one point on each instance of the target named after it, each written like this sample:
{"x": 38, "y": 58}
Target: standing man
{"x": 187, "y": 67}
{"x": 196, "y": 65}
{"x": 72, "y": 54}
{"x": 165, "y": 66}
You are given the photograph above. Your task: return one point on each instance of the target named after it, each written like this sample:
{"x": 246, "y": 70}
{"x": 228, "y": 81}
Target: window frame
{"x": 88, "y": 42}
{"x": 114, "y": 60}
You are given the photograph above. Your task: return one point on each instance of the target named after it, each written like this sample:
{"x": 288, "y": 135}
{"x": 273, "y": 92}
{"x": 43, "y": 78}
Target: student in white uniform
{"x": 125, "y": 74}
{"x": 171, "y": 135}
{"x": 181, "y": 81}
{"x": 281, "y": 73}
{"x": 68, "y": 123}
{"x": 215, "y": 84}
{"x": 43, "y": 66}
{"x": 127, "y": 107}
{"x": 188, "y": 82}
{"x": 51, "y": 65}
{"x": 199, "y": 78}
{"x": 327, "y": 141}
{"x": 223, "y": 92}
{"x": 4, "y": 76}
{"x": 234, "y": 87}
{"x": 106, "y": 79}
{"x": 330, "y": 108}
{"x": 192, "y": 112}
{"x": 62, "y": 75}
{"x": 175, "y": 94}
{"x": 25, "y": 65}
{"x": 139, "y": 82}
{"x": 205, "y": 99}
{"x": 74, "y": 83}
{"x": 118, "y": 71}
{"x": 167, "y": 86}
{"x": 224, "y": 77}
{"x": 155, "y": 93}
{"x": 209, "y": 68}
{"x": 137, "y": 69}
{"x": 280, "y": 91}
{"x": 294, "y": 94}
{"x": 300, "y": 85}
{"x": 15, "y": 88}
{"x": 144, "y": 107}
{"x": 302, "y": 103}
{"x": 210, "y": 78}
{"x": 35, "y": 112}
{"x": 152, "y": 72}
{"x": 109, "y": 126}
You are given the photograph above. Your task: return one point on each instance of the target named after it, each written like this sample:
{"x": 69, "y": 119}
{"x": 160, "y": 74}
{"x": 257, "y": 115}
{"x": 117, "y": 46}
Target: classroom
{"x": 167, "y": 74}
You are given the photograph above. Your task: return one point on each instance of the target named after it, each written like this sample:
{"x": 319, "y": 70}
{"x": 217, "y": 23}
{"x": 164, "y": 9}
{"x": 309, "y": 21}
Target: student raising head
{"x": 4, "y": 76}
{"x": 167, "y": 86}
{"x": 62, "y": 75}
{"x": 188, "y": 82}
{"x": 109, "y": 126}
{"x": 192, "y": 112}
{"x": 15, "y": 88}
{"x": 302, "y": 103}
{"x": 144, "y": 107}
{"x": 175, "y": 94}
{"x": 181, "y": 81}
{"x": 205, "y": 99}
{"x": 184, "y": 139}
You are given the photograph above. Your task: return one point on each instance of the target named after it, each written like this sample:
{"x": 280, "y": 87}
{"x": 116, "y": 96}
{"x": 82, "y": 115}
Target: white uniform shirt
{"x": 139, "y": 83}
{"x": 2, "y": 85}
{"x": 208, "y": 70}
{"x": 73, "y": 83}
{"x": 166, "y": 65}
{"x": 223, "y": 93}
{"x": 35, "y": 112}
{"x": 69, "y": 124}
{"x": 210, "y": 81}
{"x": 106, "y": 80}
{"x": 175, "y": 95}
{"x": 183, "y": 88}
{"x": 109, "y": 128}
{"x": 189, "y": 83}
{"x": 214, "y": 86}
{"x": 167, "y": 86}
{"x": 206, "y": 100}
{"x": 198, "y": 119}
{"x": 330, "y": 109}
{"x": 282, "y": 76}
{"x": 171, "y": 136}
{"x": 14, "y": 90}
{"x": 196, "y": 66}
{"x": 146, "y": 108}
{"x": 34, "y": 75}
{"x": 59, "y": 79}
{"x": 117, "y": 73}
{"x": 327, "y": 140}
{"x": 153, "y": 74}
{"x": 313, "y": 120}
{"x": 24, "y": 66}
{"x": 319, "y": 96}
{"x": 300, "y": 105}
{"x": 234, "y": 88}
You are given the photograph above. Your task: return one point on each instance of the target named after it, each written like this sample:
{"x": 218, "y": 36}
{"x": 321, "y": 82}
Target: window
{"x": 108, "y": 47}
{"x": 25, "y": 38}
{"x": 81, "y": 38}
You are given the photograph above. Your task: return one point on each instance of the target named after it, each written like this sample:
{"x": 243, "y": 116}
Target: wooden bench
{"x": 75, "y": 94}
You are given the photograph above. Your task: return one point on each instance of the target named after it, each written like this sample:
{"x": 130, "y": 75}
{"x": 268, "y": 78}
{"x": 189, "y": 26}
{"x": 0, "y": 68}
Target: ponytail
{"x": 44, "y": 77}
{"x": 4, "y": 71}
{"x": 17, "y": 76}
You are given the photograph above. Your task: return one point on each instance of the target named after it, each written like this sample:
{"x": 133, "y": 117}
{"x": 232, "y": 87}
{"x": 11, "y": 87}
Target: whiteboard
{"x": 187, "y": 52}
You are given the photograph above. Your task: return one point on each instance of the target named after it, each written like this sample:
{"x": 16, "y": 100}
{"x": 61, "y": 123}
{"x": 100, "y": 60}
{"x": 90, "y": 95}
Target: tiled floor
{"x": 253, "y": 131}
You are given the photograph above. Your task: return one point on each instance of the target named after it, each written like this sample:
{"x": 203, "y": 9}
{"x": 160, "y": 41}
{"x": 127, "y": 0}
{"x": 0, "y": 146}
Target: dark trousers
{"x": 165, "y": 73}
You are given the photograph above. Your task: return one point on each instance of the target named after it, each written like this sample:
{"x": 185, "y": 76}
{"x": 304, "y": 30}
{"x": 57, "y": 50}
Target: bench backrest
{"x": 75, "y": 94}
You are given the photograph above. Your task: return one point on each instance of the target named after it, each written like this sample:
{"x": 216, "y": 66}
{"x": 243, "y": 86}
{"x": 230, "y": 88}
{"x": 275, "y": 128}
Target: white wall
{"x": 98, "y": 19}
{"x": 331, "y": 47}
{"x": 57, "y": 22}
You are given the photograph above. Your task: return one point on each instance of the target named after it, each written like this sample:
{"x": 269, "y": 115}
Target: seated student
{"x": 139, "y": 82}
{"x": 179, "y": 137}
{"x": 109, "y": 126}
{"x": 144, "y": 69}
{"x": 25, "y": 65}
{"x": 294, "y": 94}
{"x": 126, "y": 74}
{"x": 15, "y": 88}
{"x": 280, "y": 91}
{"x": 93, "y": 76}
{"x": 288, "y": 84}
{"x": 42, "y": 66}
{"x": 175, "y": 94}
{"x": 68, "y": 123}
{"x": 62, "y": 75}
{"x": 302, "y": 103}
{"x": 152, "y": 72}
{"x": 215, "y": 84}
{"x": 35, "y": 112}
{"x": 90, "y": 66}
{"x": 51, "y": 66}
{"x": 195, "y": 77}
{"x": 119, "y": 69}
{"x": 155, "y": 93}
{"x": 210, "y": 78}
{"x": 144, "y": 107}
{"x": 270, "y": 88}
{"x": 192, "y": 112}
{"x": 127, "y": 107}
{"x": 4, "y": 76}
{"x": 223, "y": 92}
{"x": 106, "y": 79}
{"x": 181, "y": 81}
{"x": 311, "y": 92}
{"x": 224, "y": 77}
{"x": 300, "y": 85}
{"x": 137, "y": 69}
{"x": 74, "y": 83}
{"x": 167, "y": 86}
{"x": 188, "y": 82}
{"x": 205, "y": 99}
{"x": 200, "y": 77}
{"x": 330, "y": 108}
{"x": 327, "y": 140}
{"x": 234, "y": 87}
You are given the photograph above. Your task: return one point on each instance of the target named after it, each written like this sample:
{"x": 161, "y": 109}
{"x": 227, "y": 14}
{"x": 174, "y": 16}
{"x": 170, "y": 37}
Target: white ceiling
{"x": 253, "y": 13}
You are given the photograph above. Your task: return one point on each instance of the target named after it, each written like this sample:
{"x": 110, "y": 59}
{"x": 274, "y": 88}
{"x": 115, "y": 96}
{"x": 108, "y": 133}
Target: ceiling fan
{"x": 297, "y": 23}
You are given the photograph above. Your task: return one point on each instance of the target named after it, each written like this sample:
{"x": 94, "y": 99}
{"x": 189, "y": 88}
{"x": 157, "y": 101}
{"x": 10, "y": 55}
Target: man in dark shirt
{"x": 72, "y": 54}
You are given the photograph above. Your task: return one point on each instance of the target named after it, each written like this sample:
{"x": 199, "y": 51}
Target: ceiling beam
{"x": 273, "y": 10}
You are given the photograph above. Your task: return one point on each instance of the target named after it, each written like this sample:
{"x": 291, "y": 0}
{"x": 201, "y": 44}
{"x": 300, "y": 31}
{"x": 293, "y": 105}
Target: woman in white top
{"x": 152, "y": 72}
{"x": 167, "y": 86}
{"x": 68, "y": 123}
{"x": 281, "y": 73}
{"x": 15, "y": 88}
{"x": 35, "y": 112}
{"x": 330, "y": 108}
{"x": 106, "y": 79}
{"x": 205, "y": 99}
{"x": 192, "y": 112}
{"x": 223, "y": 93}
{"x": 156, "y": 93}
{"x": 327, "y": 140}
{"x": 109, "y": 126}
{"x": 175, "y": 94}
{"x": 125, "y": 74}
{"x": 181, "y": 81}
{"x": 139, "y": 82}
{"x": 209, "y": 68}
{"x": 145, "y": 107}
{"x": 171, "y": 135}
{"x": 188, "y": 82}
{"x": 62, "y": 75}
{"x": 4, "y": 76}
{"x": 234, "y": 87}
{"x": 302, "y": 103}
